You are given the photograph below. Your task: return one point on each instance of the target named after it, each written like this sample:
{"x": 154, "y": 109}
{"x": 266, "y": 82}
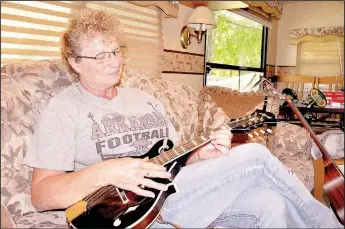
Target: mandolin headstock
{"x": 257, "y": 119}
{"x": 260, "y": 132}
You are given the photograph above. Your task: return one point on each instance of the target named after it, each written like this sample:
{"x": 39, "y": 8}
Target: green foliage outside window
{"x": 236, "y": 41}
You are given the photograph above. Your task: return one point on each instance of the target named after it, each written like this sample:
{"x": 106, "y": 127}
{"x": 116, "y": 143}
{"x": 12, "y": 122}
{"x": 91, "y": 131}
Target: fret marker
{"x": 122, "y": 195}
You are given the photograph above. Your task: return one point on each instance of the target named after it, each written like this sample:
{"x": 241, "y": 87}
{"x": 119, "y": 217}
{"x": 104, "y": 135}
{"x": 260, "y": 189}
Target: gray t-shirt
{"x": 77, "y": 128}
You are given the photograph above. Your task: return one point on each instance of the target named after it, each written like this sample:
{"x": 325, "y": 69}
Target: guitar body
{"x": 334, "y": 188}
{"x": 124, "y": 209}
{"x": 334, "y": 179}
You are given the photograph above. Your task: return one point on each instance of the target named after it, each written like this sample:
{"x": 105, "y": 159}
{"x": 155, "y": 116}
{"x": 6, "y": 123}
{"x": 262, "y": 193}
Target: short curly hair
{"x": 88, "y": 24}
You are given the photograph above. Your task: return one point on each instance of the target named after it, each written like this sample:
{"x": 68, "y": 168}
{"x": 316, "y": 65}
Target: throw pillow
{"x": 216, "y": 105}
{"x": 290, "y": 140}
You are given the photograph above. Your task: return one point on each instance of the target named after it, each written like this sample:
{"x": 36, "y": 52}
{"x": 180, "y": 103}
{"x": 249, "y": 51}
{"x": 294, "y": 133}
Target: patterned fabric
{"x": 51, "y": 219}
{"x": 179, "y": 100}
{"x": 26, "y": 88}
{"x": 317, "y": 32}
{"x": 303, "y": 169}
{"x": 292, "y": 145}
{"x": 212, "y": 114}
{"x": 290, "y": 140}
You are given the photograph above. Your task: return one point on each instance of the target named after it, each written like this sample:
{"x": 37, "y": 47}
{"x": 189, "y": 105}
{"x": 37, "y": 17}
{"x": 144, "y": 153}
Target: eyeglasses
{"x": 105, "y": 56}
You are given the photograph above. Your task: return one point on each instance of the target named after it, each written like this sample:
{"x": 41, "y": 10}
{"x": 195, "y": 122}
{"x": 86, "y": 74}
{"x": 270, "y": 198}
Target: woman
{"x": 87, "y": 134}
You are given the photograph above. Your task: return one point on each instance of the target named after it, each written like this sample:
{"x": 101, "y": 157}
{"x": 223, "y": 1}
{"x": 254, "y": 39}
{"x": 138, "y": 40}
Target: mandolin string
{"x": 95, "y": 195}
{"x": 167, "y": 154}
{"x": 100, "y": 193}
{"x": 190, "y": 145}
{"x": 107, "y": 190}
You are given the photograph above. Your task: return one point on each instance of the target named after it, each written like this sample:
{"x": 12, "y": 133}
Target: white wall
{"x": 172, "y": 29}
{"x": 171, "y": 35}
{"x": 309, "y": 14}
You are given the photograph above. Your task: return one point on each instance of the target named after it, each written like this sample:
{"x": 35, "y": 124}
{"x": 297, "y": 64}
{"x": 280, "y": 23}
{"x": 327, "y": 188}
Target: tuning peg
{"x": 250, "y": 135}
{"x": 256, "y": 133}
{"x": 269, "y": 130}
{"x": 262, "y": 131}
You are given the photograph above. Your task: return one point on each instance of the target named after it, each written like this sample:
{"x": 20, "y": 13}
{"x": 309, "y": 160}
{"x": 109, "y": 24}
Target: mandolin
{"x": 112, "y": 207}
{"x": 334, "y": 179}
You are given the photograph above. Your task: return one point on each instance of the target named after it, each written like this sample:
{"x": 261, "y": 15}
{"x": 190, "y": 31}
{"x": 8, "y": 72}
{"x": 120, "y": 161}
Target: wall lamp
{"x": 200, "y": 20}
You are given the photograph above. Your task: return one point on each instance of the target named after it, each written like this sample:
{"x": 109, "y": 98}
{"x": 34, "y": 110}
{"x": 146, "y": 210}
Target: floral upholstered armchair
{"x": 28, "y": 86}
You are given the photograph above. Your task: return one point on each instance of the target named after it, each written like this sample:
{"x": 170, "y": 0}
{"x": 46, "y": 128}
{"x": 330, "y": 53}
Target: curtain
{"x": 315, "y": 58}
{"x": 30, "y": 30}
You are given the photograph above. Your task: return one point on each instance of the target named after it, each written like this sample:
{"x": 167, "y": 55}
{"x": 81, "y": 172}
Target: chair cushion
{"x": 49, "y": 219}
{"x": 217, "y": 105}
{"x": 179, "y": 100}
{"x": 292, "y": 145}
{"x": 26, "y": 88}
{"x": 304, "y": 170}
{"x": 290, "y": 140}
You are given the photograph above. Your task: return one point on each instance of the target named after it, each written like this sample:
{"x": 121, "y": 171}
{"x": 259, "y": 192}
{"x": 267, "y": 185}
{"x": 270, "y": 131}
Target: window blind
{"x": 320, "y": 58}
{"x": 144, "y": 36}
{"x": 253, "y": 15}
{"x": 31, "y": 30}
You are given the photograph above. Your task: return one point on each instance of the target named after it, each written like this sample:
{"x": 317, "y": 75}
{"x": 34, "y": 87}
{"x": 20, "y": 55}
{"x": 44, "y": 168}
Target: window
{"x": 31, "y": 30}
{"x": 235, "y": 52}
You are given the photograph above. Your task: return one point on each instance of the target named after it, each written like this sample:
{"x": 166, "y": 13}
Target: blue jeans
{"x": 248, "y": 187}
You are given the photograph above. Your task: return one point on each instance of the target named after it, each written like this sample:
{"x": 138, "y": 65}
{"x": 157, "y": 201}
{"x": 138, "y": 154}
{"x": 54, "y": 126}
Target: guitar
{"x": 112, "y": 207}
{"x": 334, "y": 179}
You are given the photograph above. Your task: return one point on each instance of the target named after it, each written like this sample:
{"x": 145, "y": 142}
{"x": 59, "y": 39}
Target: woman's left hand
{"x": 219, "y": 145}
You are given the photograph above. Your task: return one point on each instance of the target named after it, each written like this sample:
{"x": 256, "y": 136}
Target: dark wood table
{"x": 286, "y": 114}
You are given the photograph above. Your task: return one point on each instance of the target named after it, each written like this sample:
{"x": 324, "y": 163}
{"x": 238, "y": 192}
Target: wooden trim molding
{"x": 271, "y": 7}
{"x": 317, "y": 34}
{"x": 193, "y": 4}
{"x": 189, "y": 53}
{"x": 170, "y": 8}
{"x": 187, "y": 73}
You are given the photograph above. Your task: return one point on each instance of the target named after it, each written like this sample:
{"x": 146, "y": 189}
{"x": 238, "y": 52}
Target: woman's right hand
{"x": 131, "y": 174}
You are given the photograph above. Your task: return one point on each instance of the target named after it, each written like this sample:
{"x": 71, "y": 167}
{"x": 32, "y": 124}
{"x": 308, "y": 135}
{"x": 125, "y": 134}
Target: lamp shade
{"x": 201, "y": 19}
